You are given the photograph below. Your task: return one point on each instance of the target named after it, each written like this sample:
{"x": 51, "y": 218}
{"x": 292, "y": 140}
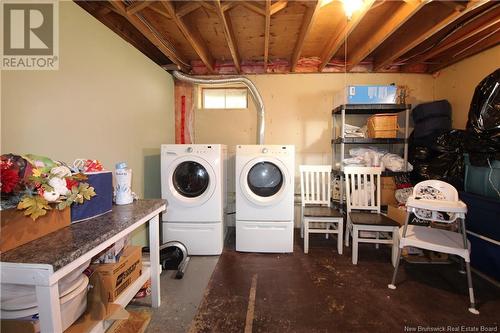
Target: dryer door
{"x": 191, "y": 181}
{"x": 264, "y": 180}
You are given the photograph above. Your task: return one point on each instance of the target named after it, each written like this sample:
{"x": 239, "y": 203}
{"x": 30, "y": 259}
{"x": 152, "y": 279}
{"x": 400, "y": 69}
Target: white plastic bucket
{"x": 73, "y": 304}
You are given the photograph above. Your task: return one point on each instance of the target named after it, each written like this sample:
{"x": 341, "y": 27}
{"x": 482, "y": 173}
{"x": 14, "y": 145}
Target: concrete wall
{"x": 457, "y": 82}
{"x": 107, "y": 101}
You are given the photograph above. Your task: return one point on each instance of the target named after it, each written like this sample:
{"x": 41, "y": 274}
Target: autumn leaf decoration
{"x": 34, "y": 206}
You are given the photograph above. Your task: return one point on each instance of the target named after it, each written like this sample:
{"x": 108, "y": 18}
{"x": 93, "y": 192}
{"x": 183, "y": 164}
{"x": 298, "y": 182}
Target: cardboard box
{"x": 115, "y": 278}
{"x": 20, "y": 326}
{"x": 398, "y": 215}
{"x": 17, "y": 229}
{"x": 367, "y": 94}
{"x": 387, "y": 191}
{"x": 101, "y": 203}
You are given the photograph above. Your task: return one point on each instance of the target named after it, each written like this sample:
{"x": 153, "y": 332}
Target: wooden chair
{"x": 432, "y": 200}
{"x": 365, "y": 223}
{"x": 317, "y": 215}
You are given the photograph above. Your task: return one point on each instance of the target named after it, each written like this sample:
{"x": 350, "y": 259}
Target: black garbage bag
{"x": 449, "y": 164}
{"x": 484, "y": 112}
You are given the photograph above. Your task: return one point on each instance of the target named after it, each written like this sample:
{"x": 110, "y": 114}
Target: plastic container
{"x": 11, "y": 291}
{"x": 477, "y": 179}
{"x": 383, "y": 126}
{"x": 73, "y": 303}
{"x": 123, "y": 189}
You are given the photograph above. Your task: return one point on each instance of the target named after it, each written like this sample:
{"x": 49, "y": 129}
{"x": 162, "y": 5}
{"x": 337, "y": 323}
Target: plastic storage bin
{"x": 477, "y": 179}
{"x": 482, "y": 220}
{"x": 73, "y": 302}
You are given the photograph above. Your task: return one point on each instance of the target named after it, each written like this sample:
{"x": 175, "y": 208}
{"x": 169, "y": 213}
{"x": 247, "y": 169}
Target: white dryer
{"x": 193, "y": 183}
{"x": 264, "y": 198}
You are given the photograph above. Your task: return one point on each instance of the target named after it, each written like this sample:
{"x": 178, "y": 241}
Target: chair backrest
{"x": 315, "y": 184}
{"x": 362, "y": 188}
{"x": 435, "y": 190}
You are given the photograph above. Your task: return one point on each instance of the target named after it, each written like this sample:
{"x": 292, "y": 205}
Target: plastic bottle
{"x": 123, "y": 188}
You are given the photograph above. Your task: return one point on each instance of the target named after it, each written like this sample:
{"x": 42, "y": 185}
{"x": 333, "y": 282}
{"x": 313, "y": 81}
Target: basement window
{"x": 224, "y": 98}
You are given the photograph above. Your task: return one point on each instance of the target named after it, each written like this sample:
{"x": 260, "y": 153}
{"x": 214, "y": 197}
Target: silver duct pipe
{"x": 257, "y": 98}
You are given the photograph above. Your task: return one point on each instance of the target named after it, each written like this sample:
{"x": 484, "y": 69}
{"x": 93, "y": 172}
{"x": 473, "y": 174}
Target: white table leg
{"x": 49, "y": 309}
{"x": 154, "y": 253}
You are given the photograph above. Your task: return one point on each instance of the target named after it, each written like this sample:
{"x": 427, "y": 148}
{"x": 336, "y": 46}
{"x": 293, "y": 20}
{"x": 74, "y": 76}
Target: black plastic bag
{"x": 484, "y": 112}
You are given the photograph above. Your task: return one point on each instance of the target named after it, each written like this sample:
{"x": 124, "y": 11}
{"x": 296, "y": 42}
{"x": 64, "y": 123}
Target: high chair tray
{"x": 437, "y": 205}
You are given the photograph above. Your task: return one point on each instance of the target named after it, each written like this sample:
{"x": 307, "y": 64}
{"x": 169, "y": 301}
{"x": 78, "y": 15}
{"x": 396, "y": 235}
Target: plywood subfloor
{"x": 324, "y": 292}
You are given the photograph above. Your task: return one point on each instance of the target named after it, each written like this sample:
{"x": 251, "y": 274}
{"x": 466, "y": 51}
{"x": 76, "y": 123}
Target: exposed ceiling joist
{"x": 486, "y": 20}
{"x": 253, "y": 7}
{"x": 161, "y": 12}
{"x": 393, "y": 23}
{"x": 389, "y": 54}
{"x": 267, "y": 34}
{"x": 152, "y": 36}
{"x": 192, "y": 35}
{"x": 277, "y": 6}
{"x": 462, "y": 52}
{"x": 137, "y": 6}
{"x": 123, "y": 28}
{"x": 307, "y": 22}
{"x": 188, "y": 8}
{"x": 337, "y": 40}
{"x": 229, "y": 35}
{"x": 228, "y": 5}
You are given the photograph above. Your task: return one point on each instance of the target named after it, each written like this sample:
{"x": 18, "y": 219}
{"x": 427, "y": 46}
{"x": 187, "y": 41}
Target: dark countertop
{"x": 67, "y": 244}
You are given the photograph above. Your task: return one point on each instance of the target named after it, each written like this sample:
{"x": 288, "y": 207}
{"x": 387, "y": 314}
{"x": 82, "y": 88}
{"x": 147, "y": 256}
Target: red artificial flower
{"x": 8, "y": 180}
{"x": 40, "y": 191}
{"x": 70, "y": 183}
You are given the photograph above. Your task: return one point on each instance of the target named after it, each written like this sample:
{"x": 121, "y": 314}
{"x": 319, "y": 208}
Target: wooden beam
{"x": 228, "y": 5}
{"x": 480, "y": 23}
{"x": 123, "y": 28}
{"x": 161, "y": 12}
{"x": 337, "y": 40}
{"x": 188, "y": 8}
{"x": 386, "y": 29}
{"x": 267, "y": 34}
{"x": 192, "y": 35}
{"x": 253, "y": 7}
{"x": 152, "y": 36}
{"x": 389, "y": 54}
{"x": 484, "y": 43}
{"x": 137, "y": 6}
{"x": 307, "y": 22}
{"x": 225, "y": 19}
{"x": 277, "y": 6}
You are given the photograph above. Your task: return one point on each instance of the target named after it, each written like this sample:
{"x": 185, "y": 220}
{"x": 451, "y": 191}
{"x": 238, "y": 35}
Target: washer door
{"x": 191, "y": 181}
{"x": 263, "y": 180}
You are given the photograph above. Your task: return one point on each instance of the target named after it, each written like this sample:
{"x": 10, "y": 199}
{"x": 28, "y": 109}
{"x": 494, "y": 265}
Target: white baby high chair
{"x": 437, "y": 201}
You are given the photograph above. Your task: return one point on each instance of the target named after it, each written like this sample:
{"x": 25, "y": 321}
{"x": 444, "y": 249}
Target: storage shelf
{"x": 126, "y": 296}
{"x": 369, "y": 140}
{"x": 371, "y": 108}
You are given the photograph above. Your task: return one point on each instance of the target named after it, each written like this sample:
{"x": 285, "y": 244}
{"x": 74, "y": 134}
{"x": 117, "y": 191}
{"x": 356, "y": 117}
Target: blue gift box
{"x": 101, "y": 203}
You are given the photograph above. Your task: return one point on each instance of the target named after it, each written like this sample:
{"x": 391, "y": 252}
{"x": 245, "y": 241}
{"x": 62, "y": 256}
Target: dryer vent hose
{"x": 257, "y": 98}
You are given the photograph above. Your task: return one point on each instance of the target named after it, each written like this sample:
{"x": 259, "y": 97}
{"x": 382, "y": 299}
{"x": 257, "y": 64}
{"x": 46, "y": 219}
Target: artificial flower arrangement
{"x": 36, "y": 184}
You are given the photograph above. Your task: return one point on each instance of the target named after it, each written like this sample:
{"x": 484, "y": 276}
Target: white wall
{"x": 107, "y": 101}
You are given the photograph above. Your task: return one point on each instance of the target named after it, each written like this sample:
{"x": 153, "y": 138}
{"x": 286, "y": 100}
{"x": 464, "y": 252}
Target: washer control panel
{"x": 199, "y": 150}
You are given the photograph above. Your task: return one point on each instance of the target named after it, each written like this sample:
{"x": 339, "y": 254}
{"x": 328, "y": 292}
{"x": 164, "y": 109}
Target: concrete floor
{"x": 180, "y": 298}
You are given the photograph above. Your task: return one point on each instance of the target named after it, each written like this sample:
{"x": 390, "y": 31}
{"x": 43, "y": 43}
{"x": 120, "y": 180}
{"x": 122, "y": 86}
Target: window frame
{"x": 202, "y": 97}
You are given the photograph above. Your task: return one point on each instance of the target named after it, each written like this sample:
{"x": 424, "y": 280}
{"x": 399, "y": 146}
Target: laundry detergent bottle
{"x": 123, "y": 184}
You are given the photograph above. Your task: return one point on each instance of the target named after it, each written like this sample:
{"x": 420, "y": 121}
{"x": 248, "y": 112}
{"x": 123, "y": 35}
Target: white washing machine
{"x": 264, "y": 198}
{"x": 193, "y": 183}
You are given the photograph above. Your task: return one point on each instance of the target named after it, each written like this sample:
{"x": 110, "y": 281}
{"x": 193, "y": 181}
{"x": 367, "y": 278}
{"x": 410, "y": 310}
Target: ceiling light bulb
{"x": 350, "y": 6}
